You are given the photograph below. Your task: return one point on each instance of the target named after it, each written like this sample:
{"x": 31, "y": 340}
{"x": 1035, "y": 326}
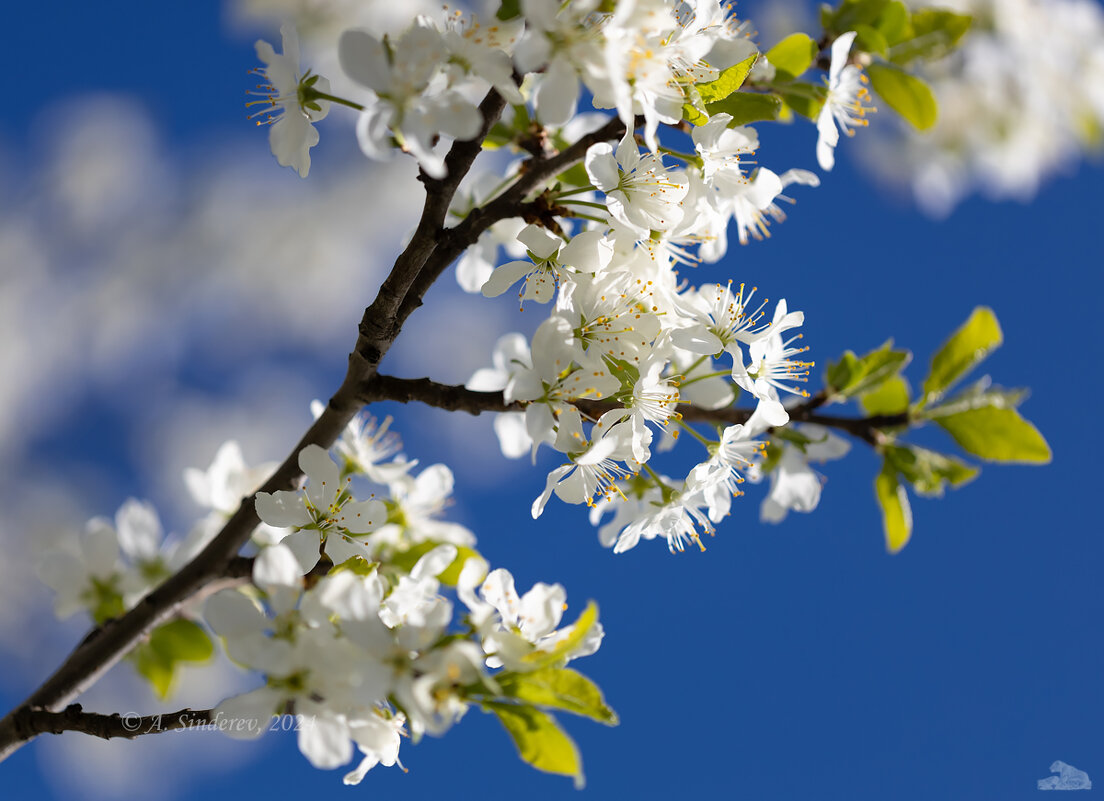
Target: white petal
{"x": 323, "y": 476}
{"x": 324, "y": 741}
{"x": 362, "y": 517}
{"x": 362, "y": 58}
{"x": 276, "y": 566}
{"x": 282, "y": 509}
{"x": 231, "y": 614}
{"x": 246, "y": 717}
{"x": 506, "y": 276}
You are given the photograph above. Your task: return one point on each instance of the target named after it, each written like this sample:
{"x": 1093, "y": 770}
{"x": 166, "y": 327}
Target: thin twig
{"x": 458, "y": 398}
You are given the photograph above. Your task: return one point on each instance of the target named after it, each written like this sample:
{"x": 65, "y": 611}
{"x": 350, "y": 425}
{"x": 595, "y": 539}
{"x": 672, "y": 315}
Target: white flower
{"x": 228, "y": 480}
{"x": 364, "y": 445}
{"x": 653, "y": 399}
{"x": 287, "y": 106}
{"x": 719, "y": 477}
{"x": 415, "y": 508}
{"x": 611, "y": 315}
{"x": 587, "y": 252}
{"x": 400, "y": 75}
{"x": 844, "y": 105}
{"x": 378, "y": 738}
{"x": 794, "y": 485}
{"x": 640, "y": 192}
{"x": 772, "y": 367}
{"x": 514, "y": 627}
{"x": 658, "y": 511}
{"x": 324, "y": 512}
{"x": 86, "y": 573}
{"x": 593, "y": 469}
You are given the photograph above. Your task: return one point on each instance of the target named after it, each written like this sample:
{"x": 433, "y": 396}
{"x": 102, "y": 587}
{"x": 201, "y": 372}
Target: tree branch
{"x": 510, "y": 203}
{"x": 30, "y": 723}
{"x": 458, "y": 398}
{"x": 104, "y": 646}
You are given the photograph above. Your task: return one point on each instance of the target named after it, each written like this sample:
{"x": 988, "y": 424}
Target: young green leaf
{"x": 890, "y": 397}
{"x": 894, "y": 22}
{"x": 728, "y": 82}
{"x": 509, "y": 9}
{"x": 539, "y": 739}
{"x": 996, "y": 434}
{"x": 870, "y": 40}
{"x": 934, "y": 32}
{"x": 896, "y": 512}
{"x": 853, "y": 375}
{"x": 979, "y": 336}
{"x": 582, "y": 627}
{"x": 906, "y": 94}
{"x": 748, "y": 107}
{"x": 559, "y": 688}
{"x": 407, "y": 559}
{"x": 792, "y": 56}
{"x": 852, "y": 13}
{"x": 806, "y": 99}
{"x": 928, "y": 472}
{"x": 179, "y": 640}
{"x": 702, "y": 94}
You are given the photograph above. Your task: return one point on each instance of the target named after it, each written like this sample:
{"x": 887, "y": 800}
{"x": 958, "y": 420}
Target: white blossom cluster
{"x": 624, "y": 330}
{"x": 363, "y": 648}
{"x": 1021, "y": 99}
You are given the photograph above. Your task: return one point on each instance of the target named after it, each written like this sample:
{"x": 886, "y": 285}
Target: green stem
{"x": 585, "y": 217}
{"x": 703, "y": 377}
{"x": 578, "y": 191}
{"x": 708, "y": 443}
{"x": 314, "y": 94}
{"x": 601, "y": 206}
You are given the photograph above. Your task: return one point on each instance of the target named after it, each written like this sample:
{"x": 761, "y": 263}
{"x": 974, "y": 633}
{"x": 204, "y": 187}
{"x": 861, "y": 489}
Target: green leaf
{"x": 509, "y": 10}
{"x": 806, "y": 99}
{"x": 977, "y": 396}
{"x": 559, "y": 688}
{"x": 934, "y": 32}
{"x": 896, "y": 512}
{"x": 180, "y": 640}
{"x": 870, "y": 40}
{"x": 968, "y": 346}
{"x": 906, "y": 94}
{"x": 852, "y": 13}
{"x": 748, "y": 107}
{"x": 853, "y": 375}
{"x": 357, "y": 565}
{"x": 792, "y": 56}
{"x": 449, "y": 576}
{"x": 539, "y": 740}
{"x": 894, "y": 22}
{"x": 582, "y": 627}
{"x": 702, "y": 94}
{"x": 728, "y": 82}
{"x": 997, "y": 435}
{"x": 929, "y": 472}
{"x": 890, "y": 397}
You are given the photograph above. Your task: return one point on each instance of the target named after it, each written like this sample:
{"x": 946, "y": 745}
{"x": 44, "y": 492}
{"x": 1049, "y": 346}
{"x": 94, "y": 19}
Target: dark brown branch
{"x": 29, "y": 723}
{"x": 457, "y": 398}
{"x": 104, "y": 646}
{"x": 455, "y": 240}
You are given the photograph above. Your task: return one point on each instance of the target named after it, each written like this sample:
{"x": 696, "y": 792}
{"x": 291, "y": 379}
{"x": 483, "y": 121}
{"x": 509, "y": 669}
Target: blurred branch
{"x": 106, "y": 645}
{"x": 430, "y": 250}
{"x": 461, "y": 399}
{"x": 31, "y": 722}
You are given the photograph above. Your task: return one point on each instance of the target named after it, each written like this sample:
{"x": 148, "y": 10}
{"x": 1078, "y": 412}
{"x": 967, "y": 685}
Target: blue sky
{"x": 797, "y": 661}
